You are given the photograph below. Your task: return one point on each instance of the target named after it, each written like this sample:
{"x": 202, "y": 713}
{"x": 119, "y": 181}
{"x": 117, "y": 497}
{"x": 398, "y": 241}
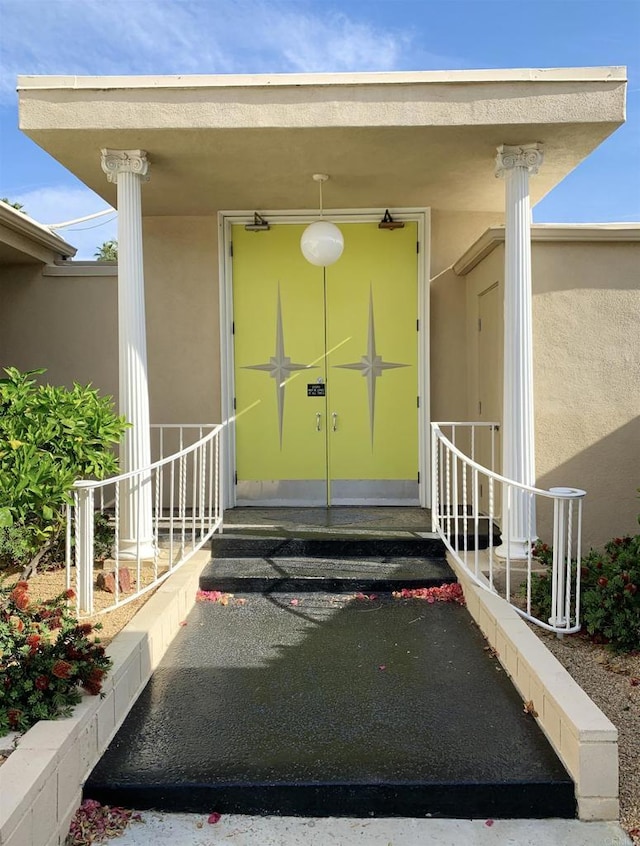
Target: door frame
{"x": 226, "y": 219}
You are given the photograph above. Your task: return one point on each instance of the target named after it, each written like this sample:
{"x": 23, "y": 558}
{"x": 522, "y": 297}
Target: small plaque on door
{"x": 315, "y": 390}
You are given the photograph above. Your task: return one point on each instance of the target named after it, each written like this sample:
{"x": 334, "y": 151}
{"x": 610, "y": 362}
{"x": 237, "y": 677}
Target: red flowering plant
{"x": 611, "y": 594}
{"x": 609, "y": 590}
{"x": 46, "y": 658}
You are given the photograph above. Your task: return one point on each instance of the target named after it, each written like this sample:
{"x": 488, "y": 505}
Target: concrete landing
{"x": 321, "y": 705}
{"x": 193, "y": 830}
{"x": 397, "y": 520}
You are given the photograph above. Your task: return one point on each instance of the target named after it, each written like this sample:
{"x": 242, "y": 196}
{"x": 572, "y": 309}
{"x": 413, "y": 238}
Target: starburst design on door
{"x": 279, "y": 367}
{"x": 371, "y": 365}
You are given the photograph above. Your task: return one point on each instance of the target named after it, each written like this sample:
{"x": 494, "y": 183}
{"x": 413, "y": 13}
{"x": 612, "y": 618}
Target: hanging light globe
{"x": 322, "y": 243}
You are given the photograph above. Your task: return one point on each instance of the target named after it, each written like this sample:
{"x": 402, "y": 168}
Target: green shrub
{"x": 541, "y": 582}
{"x": 46, "y": 658}
{"x": 609, "y": 592}
{"x": 16, "y": 544}
{"x": 49, "y": 438}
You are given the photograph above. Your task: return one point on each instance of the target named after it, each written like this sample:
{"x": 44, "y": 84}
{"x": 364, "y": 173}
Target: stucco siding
{"x": 66, "y": 324}
{"x": 448, "y": 348}
{"x": 70, "y": 324}
{"x": 586, "y": 351}
{"x": 586, "y": 303}
{"x": 183, "y": 336}
{"x": 484, "y": 361}
{"x": 453, "y": 232}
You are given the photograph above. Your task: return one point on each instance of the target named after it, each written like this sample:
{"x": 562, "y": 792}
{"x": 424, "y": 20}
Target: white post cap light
{"x": 322, "y": 242}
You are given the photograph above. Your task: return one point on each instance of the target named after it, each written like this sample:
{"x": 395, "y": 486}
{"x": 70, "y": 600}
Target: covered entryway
{"x": 326, "y": 368}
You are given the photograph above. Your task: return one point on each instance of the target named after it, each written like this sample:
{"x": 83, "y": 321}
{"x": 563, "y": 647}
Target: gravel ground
{"x": 613, "y": 682}
{"x": 52, "y": 582}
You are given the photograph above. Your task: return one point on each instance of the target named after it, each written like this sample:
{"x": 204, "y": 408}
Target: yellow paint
{"x": 381, "y": 262}
{"x": 377, "y": 266}
{"x": 264, "y": 262}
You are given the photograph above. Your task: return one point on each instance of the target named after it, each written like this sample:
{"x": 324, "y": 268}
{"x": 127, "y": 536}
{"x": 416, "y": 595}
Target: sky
{"x": 94, "y": 37}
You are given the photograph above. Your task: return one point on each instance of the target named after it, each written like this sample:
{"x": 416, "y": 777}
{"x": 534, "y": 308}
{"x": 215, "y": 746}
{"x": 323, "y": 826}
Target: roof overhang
{"x": 387, "y": 139}
{"x": 548, "y": 232}
{"x": 25, "y": 241}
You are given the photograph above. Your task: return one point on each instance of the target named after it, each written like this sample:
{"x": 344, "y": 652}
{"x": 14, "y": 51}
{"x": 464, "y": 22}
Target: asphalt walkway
{"x": 321, "y": 703}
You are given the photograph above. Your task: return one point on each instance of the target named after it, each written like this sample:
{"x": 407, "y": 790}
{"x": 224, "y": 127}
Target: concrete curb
{"x": 583, "y": 737}
{"x": 41, "y": 781}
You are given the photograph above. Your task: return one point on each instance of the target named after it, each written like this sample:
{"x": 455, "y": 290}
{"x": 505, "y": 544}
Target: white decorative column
{"x": 514, "y": 164}
{"x": 128, "y": 168}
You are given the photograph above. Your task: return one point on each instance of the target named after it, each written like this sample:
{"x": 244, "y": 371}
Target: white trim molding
{"x": 549, "y": 233}
{"x": 33, "y": 232}
{"x": 226, "y": 219}
{"x": 108, "y": 269}
{"x": 581, "y": 74}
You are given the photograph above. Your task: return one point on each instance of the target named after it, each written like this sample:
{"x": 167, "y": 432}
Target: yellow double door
{"x": 325, "y": 368}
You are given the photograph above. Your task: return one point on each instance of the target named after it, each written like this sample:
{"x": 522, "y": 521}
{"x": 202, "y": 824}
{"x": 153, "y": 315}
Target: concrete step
{"x": 322, "y": 705}
{"x": 333, "y": 575}
{"x": 323, "y": 545}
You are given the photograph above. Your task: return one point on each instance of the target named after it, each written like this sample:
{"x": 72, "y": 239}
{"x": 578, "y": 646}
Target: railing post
{"x": 84, "y": 546}
{"x": 561, "y": 586}
{"x": 219, "y": 481}
{"x": 67, "y": 546}
{"x": 567, "y": 529}
{"x": 434, "y": 478}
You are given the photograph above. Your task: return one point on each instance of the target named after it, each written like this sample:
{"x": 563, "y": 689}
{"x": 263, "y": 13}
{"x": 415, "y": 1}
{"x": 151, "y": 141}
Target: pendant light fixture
{"x": 321, "y": 242}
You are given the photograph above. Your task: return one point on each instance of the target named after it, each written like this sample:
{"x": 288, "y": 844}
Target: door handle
{"x": 334, "y": 421}
{"x": 318, "y": 422}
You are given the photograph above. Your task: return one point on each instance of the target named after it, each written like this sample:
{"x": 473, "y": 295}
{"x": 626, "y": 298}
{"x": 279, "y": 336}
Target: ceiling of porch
{"x": 219, "y": 144}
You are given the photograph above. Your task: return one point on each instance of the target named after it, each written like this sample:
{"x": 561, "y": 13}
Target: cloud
{"x": 89, "y": 37}
{"x": 86, "y": 37}
{"x": 57, "y": 204}
{"x": 334, "y": 42}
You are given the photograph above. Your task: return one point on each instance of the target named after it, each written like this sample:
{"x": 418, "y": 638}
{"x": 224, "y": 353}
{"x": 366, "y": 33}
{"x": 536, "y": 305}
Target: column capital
{"x": 529, "y": 156}
{"x": 124, "y": 161}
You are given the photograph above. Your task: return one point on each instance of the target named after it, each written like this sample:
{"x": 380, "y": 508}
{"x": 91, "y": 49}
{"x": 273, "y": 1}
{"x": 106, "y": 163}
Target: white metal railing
{"x": 182, "y": 489}
{"x": 471, "y": 503}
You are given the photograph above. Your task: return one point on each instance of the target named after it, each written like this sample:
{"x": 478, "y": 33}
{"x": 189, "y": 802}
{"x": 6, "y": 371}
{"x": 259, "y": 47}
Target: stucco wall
{"x": 448, "y": 347}
{"x": 183, "y": 336}
{"x": 587, "y": 378}
{"x": 451, "y": 234}
{"x": 484, "y": 360}
{"x": 586, "y": 338}
{"x": 66, "y": 324}
{"x": 69, "y": 324}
